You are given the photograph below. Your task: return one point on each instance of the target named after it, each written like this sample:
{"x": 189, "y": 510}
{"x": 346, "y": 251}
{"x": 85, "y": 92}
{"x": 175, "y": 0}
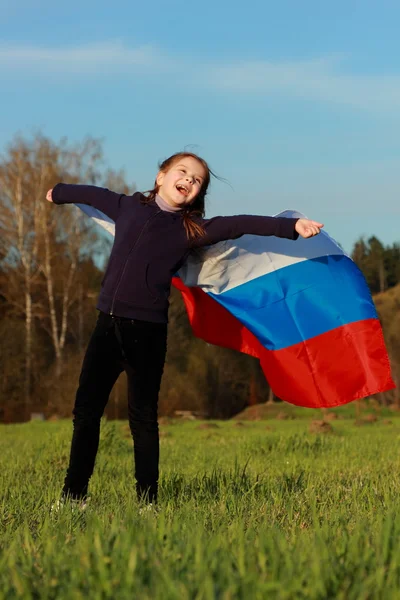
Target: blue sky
{"x": 296, "y": 104}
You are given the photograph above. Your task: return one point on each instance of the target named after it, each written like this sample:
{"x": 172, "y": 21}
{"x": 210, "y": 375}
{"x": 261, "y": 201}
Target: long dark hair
{"x": 197, "y": 208}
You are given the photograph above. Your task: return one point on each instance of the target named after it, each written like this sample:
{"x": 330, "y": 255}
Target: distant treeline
{"x": 380, "y": 264}
{"x": 49, "y": 281}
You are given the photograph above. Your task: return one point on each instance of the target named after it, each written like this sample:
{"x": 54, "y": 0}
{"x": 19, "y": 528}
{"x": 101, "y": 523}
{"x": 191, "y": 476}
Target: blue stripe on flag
{"x": 301, "y": 301}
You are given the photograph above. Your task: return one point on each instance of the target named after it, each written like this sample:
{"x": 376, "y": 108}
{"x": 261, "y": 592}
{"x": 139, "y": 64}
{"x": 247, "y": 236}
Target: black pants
{"x": 139, "y": 348}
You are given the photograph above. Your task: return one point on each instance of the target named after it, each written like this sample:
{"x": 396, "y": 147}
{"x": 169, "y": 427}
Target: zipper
{"x": 126, "y": 262}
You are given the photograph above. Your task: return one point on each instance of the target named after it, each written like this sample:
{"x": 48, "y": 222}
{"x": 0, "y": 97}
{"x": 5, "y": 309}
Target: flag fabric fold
{"x": 301, "y": 307}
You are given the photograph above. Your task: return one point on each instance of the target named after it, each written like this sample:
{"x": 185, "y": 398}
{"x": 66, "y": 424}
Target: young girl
{"x": 154, "y": 234}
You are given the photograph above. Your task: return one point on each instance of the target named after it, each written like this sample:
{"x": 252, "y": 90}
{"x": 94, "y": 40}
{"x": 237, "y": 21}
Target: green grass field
{"x": 262, "y": 510}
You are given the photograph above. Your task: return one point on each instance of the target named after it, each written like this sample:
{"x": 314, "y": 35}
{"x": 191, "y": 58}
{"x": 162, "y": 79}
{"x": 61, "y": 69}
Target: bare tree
{"x": 43, "y": 246}
{"x": 18, "y": 218}
{"x": 67, "y": 237}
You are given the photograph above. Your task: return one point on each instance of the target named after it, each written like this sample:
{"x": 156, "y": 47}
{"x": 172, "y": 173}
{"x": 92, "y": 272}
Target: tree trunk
{"x": 382, "y": 277}
{"x": 25, "y": 257}
{"x": 80, "y": 319}
{"x": 270, "y": 396}
{"x": 28, "y": 351}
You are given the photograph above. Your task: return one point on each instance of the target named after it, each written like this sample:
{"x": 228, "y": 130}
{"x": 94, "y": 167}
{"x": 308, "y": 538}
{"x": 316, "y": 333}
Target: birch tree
{"x": 19, "y": 244}
{"x": 66, "y": 239}
{"x": 42, "y": 247}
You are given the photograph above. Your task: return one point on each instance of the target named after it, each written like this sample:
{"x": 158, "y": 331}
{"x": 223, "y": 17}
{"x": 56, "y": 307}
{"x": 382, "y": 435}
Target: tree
{"x": 42, "y": 247}
{"x": 378, "y": 263}
{"x": 19, "y": 201}
{"x": 392, "y": 264}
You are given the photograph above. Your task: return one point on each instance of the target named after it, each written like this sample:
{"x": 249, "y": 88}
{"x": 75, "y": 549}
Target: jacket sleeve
{"x": 230, "y": 228}
{"x": 100, "y": 198}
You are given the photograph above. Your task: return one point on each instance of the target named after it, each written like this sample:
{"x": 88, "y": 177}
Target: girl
{"x": 154, "y": 234}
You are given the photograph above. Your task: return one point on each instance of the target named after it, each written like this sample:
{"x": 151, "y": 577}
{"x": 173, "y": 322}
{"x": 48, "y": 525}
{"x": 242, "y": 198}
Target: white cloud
{"x": 317, "y": 80}
{"x": 93, "y": 58}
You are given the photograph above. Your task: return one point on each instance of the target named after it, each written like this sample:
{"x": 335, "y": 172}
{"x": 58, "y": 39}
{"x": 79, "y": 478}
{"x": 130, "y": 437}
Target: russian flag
{"x": 302, "y": 307}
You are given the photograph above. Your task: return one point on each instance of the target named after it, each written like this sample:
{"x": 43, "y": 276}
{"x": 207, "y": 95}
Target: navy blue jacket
{"x": 150, "y": 246}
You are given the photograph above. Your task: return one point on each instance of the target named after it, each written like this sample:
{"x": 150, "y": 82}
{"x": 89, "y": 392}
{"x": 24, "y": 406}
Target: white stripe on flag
{"x": 228, "y": 264}
{"x": 98, "y": 217}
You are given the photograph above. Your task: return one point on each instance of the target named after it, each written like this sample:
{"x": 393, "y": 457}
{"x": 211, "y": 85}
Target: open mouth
{"x": 183, "y": 189}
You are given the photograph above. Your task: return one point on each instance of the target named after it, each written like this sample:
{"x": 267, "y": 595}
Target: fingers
{"x": 315, "y": 224}
{"x": 49, "y": 196}
{"x": 311, "y": 231}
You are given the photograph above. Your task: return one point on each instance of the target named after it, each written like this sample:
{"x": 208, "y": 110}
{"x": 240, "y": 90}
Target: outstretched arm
{"x": 229, "y": 228}
{"x": 100, "y": 198}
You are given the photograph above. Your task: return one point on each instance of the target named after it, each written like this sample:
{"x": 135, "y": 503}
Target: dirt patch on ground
{"x": 208, "y": 426}
{"x": 126, "y": 432}
{"x": 320, "y": 426}
{"x": 260, "y": 412}
{"x": 366, "y": 420}
{"x": 164, "y": 434}
{"x": 330, "y": 416}
{"x": 53, "y": 418}
{"x": 283, "y": 416}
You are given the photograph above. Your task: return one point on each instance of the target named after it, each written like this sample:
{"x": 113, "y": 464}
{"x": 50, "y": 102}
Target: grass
{"x": 245, "y": 512}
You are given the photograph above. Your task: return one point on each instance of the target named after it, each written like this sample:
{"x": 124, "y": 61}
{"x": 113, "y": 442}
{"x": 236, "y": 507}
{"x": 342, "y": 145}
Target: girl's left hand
{"x": 307, "y": 228}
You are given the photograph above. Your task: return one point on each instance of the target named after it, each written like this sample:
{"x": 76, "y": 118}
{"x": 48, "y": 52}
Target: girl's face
{"x": 180, "y": 185}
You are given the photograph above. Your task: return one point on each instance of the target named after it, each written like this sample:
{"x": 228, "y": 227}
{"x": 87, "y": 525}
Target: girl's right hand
{"x": 49, "y": 195}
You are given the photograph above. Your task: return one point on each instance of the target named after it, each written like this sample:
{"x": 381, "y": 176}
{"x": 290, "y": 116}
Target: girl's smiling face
{"x": 180, "y": 185}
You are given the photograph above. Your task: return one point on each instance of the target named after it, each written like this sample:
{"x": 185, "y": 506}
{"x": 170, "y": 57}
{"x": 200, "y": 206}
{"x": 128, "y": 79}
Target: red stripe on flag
{"x": 334, "y": 368}
{"x": 213, "y": 323}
